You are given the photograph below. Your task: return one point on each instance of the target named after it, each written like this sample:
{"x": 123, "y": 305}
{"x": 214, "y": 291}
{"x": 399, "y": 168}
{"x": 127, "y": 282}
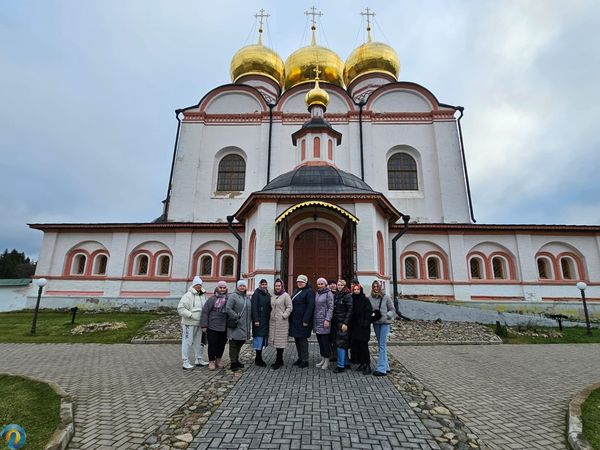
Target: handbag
{"x": 232, "y": 322}
{"x": 376, "y": 314}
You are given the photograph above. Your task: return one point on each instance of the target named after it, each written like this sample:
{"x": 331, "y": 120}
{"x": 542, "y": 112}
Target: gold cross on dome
{"x": 262, "y": 14}
{"x": 368, "y": 14}
{"x": 313, "y": 12}
{"x": 317, "y": 72}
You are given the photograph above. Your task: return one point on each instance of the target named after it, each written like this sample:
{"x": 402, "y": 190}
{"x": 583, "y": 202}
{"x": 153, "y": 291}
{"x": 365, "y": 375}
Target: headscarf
{"x": 376, "y": 294}
{"x": 221, "y": 298}
{"x": 282, "y": 291}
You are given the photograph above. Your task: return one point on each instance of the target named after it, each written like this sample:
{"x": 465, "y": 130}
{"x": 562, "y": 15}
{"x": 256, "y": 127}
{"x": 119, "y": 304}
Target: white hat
{"x": 302, "y": 278}
{"x": 241, "y": 283}
{"x": 197, "y": 280}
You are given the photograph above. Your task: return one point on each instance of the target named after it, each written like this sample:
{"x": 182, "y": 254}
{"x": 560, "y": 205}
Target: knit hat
{"x": 322, "y": 281}
{"x": 197, "y": 280}
{"x": 221, "y": 284}
{"x": 302, "y": 278}
{"x": 241, "y": 283}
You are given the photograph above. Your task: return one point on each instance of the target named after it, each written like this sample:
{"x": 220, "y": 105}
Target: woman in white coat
{"x": 190, "y": 308}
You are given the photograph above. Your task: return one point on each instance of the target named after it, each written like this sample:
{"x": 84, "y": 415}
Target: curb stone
{"x": 575, "y": 425}
{"x": 66, "y": 428}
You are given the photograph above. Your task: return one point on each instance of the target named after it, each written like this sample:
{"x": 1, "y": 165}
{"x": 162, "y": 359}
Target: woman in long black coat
{"x": 261, "y": 314}
{"x": 342, "y": 318}
{"x": 303, "y": 307}
{"x": 361, "y": 328}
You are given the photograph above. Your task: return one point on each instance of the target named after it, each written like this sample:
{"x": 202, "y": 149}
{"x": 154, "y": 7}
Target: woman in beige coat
{"x": 281, "y": 308}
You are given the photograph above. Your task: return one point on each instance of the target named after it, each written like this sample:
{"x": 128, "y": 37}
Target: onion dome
{"x": 300, "y": 66}
{"x": 325, "y": 179}
{"x": 371, "y": 57}
{"x": 256, "y": 59}
{"x": 316, "y": 96}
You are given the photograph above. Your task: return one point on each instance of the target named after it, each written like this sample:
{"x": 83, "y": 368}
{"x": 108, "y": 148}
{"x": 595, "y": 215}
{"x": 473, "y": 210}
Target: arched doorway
{"x": 315, "y": 255}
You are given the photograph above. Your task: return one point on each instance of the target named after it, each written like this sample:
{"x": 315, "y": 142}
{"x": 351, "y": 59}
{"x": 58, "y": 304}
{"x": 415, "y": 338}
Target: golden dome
{"x": 300, "y": 66}
{"x": 372, "y": 57}
{"x": 317, "y": 96}
{"x": 257, "y": 59}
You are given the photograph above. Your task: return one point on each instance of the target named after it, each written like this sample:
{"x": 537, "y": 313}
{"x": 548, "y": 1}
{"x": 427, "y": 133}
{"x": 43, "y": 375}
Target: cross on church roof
{"x": 368, "y": 14}
{"x": 317, "y": 72}
{"x": 313, "y": 12}
{"x": 262, "y": 14}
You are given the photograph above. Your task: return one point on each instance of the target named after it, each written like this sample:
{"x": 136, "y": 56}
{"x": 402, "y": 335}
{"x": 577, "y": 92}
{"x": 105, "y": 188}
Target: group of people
{"x": 341, "y": 318}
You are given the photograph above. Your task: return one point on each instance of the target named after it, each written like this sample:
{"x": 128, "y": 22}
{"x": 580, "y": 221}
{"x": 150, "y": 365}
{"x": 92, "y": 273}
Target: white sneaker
{"x": 201, "y": 363}
{"x": 187, "y": 365}
{"x": 325, "y": 365}
{"x": 319, "y": 364}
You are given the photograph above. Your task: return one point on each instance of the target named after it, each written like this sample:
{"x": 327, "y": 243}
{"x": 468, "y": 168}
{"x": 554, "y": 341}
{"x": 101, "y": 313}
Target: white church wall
{"x": 234, "y": 102}
{"x": 400, "y": 100}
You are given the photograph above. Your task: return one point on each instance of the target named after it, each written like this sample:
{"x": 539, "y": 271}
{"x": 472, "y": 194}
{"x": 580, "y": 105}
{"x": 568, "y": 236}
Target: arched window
{"x": 402, "y": 173}
{"x": 380, "y": 254}
{"x": 100, "y": 263}
{"x": 475, "y": 265}
{"x": 232, "y": 173}
{"x": 78, "y": 266}
{"x": 163, "y": 268}
{"x": 499, "y": 268}
{"x": 206, "y": 265}
{"x": 567, "y": 267}
{"x": 433, "y": 268}
{"x": 227, "y": 264}
{"x": 411, "y": 268}
{"x": 141, "y": 264}
{"x": 544, "y": 269}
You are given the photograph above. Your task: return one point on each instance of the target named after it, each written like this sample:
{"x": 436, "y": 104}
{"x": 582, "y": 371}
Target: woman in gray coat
{"x": 322, "y": 320}
{"x": 238, "y": 309}
{"x": 383, "y": 303}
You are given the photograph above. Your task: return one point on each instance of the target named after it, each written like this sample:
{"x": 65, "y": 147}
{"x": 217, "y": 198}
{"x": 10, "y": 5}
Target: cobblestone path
{"x": 512, "y": 396}
{"x": 313, "y": 409}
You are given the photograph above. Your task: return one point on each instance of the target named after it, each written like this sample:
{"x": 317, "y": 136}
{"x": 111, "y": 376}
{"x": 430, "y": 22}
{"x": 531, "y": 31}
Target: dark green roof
{"x": 15, "y": 281}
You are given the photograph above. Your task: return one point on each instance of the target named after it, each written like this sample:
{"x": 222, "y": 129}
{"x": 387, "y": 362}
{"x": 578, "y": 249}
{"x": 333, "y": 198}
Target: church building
{"x": 326, "y": 168}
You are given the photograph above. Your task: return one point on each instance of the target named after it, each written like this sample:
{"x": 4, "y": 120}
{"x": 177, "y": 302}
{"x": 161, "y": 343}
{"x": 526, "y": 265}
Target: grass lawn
{"x": 569, "y": 336}
{"x": 34, "y": 406}
{"x": 53, "y": 326}
{"x": 590, "y": 414}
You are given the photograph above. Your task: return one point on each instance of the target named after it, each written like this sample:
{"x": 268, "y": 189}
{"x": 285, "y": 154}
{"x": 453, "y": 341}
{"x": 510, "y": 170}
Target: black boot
{"x": 360, "y": 367}
{"x": 258, "y": 359}
{"x": 367, "y": 369}
{"x": 278, "y": 360}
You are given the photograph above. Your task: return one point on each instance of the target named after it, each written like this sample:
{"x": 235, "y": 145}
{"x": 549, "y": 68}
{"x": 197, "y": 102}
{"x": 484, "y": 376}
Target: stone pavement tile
{"x": 117, "y": 388}
{"x": 312, "y": 408}
{"x": 512, "y": 396}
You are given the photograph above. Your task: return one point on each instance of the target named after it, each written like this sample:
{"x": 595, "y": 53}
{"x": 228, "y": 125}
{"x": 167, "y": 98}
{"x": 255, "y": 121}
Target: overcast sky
{"x": 88, "y": 91}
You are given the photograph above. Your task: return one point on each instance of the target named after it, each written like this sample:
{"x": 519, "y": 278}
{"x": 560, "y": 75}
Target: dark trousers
{"x": 302, "y": 348}
{"x": 216, "y": 343}
{"x": 234, "y": 350}
{"x": 360, "y": 351}
{"x": 324, "y": 345}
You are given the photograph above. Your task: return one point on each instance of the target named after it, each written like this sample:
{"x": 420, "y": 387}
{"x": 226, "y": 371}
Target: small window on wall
{"x": 543, "y": 269}
{"x": 402, "y": 173}
{"x": 411, "y": 270}
{"x": 141, "y": 265}
{"x": 499, "y": 268}
{"x": 232, "y": 173}
{"x": 100, "y": 263}
{"x": 78, "y": 267}
{"x": 164, "y": 265}
{"x": 227, "y": 264}
{"x": 206, "y": 263}
{"x": 433, "y": 268}
{"x": 568, "y": 268}
{"x": 475, "y": 266}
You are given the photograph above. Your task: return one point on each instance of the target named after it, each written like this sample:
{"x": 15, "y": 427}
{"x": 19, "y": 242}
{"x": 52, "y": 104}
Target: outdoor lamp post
{"x": 41, "y": 282}
{"x": 581, "y": 286}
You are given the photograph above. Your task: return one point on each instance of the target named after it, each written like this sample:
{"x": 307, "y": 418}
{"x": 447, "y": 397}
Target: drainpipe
{"x": 168, "y": 199}
{"x": 362, "y": 161}
{"x": 239, "y": 252}
{"x": 460, "y": 109}
{"x": 405, "y": 219}
{"x": 271, "y": 106}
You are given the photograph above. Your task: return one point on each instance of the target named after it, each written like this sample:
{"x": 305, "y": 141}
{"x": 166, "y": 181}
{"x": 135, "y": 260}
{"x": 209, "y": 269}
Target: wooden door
{"x": 315, "y": 255}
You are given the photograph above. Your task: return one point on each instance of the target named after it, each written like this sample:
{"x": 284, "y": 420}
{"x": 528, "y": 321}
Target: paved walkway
{"x": 309, "y": 408}
{"x": 512, "y": 396}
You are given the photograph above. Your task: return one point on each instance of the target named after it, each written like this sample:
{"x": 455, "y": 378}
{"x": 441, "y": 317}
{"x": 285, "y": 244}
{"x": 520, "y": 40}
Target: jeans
{"x": 341, "y": 357}
{"x": 259, "y": 342}
{"x": 381, "y": 331}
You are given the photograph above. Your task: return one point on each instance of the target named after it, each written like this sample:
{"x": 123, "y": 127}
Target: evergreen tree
{"x": 15, "y": 265}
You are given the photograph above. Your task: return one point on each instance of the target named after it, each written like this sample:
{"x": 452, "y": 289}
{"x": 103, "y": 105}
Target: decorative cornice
{"x": 491, "y": 228}
{"x": 165, "y": 226}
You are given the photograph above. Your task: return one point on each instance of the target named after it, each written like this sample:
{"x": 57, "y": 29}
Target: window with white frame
{"x": 78, "y": 265}
{"x": 142, "y": 263}
{"x": 100, "y": 263}
{"x": 567, "y": 267}
{"x": 544, "y": 268}
{"x": 227, "y": 265}
{"x": 499, "y": 268}
{"x": 411, "y": 268}
{"x": 476, "y": 268}
{"x": 206, "y": 266}
{"x": 163, "y": 268}
{"x": 433, "y": 268}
